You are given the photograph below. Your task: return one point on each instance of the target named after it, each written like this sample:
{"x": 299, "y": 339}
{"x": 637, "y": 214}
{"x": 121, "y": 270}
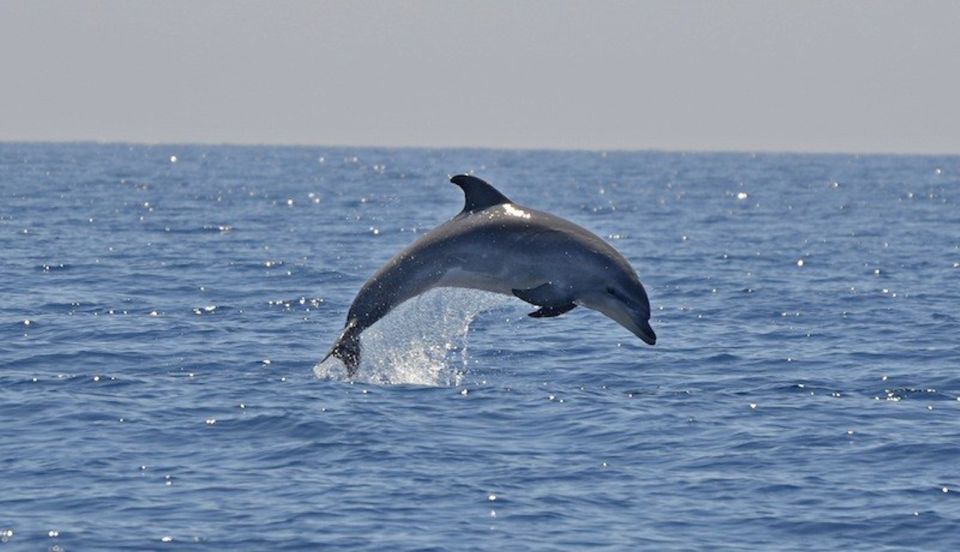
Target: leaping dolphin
{"x": 495, "y": 245}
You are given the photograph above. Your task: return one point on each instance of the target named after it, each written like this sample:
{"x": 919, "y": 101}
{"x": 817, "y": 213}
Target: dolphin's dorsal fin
{"x": 478, "y": 195}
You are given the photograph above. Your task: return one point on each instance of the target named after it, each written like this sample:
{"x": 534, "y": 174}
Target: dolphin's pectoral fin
{"x": 549, "y": 312}
{"x": 554, "y": 300}
{"x": 550, "y": 298}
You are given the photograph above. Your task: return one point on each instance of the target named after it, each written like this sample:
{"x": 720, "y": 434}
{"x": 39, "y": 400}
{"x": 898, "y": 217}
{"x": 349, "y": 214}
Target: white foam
{"x": 422, "y": 342}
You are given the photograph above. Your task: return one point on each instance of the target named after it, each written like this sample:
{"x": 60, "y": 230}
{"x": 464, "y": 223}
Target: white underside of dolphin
{"x": 496, "y": 245}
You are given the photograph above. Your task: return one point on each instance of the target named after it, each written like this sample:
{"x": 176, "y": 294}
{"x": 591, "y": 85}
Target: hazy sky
{"x": 751, "y": 75}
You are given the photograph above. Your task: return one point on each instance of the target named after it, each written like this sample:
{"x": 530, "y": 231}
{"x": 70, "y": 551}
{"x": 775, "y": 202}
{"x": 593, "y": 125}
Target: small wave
{"x": 53, "y": 267}
{"x": 190, "y": 229}
{"x": 926, "y": 394}
{"x": 422, "y": 342}
{"x": 303, "y": 302}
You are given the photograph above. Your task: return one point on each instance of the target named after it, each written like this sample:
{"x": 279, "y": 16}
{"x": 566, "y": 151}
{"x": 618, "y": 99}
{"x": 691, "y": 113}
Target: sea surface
{"x": 163, "y": 310}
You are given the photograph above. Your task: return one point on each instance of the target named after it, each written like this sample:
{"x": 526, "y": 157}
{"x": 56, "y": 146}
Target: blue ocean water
{"x": 164, "y": 307}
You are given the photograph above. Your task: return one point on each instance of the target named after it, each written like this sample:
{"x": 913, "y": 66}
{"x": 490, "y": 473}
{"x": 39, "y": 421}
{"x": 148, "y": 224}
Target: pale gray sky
{"x": 747, "y": 75}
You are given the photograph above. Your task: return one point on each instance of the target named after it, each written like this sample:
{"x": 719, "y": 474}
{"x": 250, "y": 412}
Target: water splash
{"x": 422, "y": 342}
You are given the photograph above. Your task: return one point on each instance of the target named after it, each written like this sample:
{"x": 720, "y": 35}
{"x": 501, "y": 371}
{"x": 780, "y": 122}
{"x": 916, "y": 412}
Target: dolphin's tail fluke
{"x": 347, "y": 349}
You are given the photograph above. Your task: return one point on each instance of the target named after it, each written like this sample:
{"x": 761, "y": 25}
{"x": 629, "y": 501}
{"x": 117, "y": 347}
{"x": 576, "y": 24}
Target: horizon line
{"x": 599, "y": 150}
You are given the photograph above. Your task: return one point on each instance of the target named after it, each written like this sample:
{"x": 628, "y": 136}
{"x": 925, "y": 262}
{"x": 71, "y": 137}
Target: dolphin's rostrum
{"x": 499, "y": 246}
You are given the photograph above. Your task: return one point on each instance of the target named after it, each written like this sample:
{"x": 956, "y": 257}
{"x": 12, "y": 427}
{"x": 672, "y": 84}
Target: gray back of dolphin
{"x": 496, "y": 245}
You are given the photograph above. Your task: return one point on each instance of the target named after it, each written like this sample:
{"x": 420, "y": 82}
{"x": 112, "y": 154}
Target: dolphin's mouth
{"x": 646, "y": 333}
{"x": 622, "y": 312}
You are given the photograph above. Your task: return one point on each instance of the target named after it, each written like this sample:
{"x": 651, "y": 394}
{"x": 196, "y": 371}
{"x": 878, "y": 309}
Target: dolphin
{"x": 496, "y": 245}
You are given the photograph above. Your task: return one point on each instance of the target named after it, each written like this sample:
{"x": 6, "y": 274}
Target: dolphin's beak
{"x": 637, "y": 322}
{"x": 646, "y": 333}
